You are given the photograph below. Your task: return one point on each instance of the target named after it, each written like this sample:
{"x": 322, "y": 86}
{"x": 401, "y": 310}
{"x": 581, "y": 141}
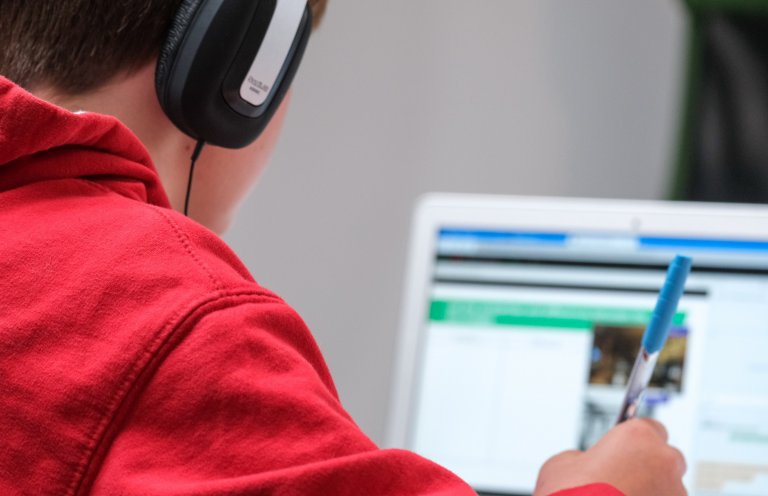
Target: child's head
{"x": 99, "y": 56}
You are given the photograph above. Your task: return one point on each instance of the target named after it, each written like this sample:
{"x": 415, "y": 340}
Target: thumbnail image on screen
{"x": 614, "y": 350}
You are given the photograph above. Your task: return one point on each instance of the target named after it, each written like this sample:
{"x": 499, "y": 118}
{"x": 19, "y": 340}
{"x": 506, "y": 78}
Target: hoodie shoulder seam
{"x": 181, "y": 236}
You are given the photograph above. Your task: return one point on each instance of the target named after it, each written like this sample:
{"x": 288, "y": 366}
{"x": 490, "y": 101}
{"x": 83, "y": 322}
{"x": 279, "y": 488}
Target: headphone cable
{"x": 195, "y": 155}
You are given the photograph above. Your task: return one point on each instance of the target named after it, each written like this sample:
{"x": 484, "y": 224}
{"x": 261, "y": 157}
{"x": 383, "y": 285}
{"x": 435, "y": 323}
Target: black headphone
{"x": 227, "y": 64}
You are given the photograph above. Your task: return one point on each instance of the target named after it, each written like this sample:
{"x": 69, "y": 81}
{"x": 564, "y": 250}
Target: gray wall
{"x": 401, "y": 97}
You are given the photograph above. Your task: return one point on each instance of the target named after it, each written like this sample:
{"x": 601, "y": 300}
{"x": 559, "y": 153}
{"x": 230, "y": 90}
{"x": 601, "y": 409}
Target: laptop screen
{"x": 530, "y": 337}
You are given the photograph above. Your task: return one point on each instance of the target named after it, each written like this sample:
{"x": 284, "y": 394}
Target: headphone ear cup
{"x": 170, "y": 49}
{"x": 212, "y": 48}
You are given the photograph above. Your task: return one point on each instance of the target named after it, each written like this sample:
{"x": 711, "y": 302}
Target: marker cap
{"x": 658, "y": 328}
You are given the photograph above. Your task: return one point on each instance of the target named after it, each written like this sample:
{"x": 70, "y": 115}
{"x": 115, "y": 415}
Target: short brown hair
{"x": 75, "y": 46}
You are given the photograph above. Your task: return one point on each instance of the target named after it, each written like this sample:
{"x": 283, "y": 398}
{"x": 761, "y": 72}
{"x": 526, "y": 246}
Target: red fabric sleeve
{"x": 591, "y": 490}
{"x": 244, "y": 405}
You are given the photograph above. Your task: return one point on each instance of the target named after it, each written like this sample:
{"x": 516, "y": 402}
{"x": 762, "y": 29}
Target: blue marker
{"x": 655, "y": 336}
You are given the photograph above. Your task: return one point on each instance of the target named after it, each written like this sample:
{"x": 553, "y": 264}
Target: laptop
{"x": 522, "y": 318}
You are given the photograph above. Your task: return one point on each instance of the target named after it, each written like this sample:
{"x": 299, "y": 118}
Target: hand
{"x": 634, "y": 457}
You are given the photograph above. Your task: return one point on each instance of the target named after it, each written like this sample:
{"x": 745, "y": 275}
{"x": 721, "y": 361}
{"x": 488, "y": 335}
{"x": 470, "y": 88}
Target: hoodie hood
{"x": 42, "y": 142}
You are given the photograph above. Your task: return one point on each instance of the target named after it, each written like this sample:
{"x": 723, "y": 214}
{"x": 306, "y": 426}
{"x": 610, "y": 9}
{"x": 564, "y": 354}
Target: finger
{"x": 681, "y": 490}
{"x": 568, "y": 454}
{"x": 679, "y": 460}
{"x": 563, "y": 457}
{"x": 559, "y": 460}
{"x": 657, "y": 427}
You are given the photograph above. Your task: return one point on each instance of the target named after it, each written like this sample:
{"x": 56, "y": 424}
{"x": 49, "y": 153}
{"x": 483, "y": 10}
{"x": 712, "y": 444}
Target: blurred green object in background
{"x": 723, "y": 141}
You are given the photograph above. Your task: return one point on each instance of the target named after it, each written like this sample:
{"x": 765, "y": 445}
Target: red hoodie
{"x": 137, "y": 354}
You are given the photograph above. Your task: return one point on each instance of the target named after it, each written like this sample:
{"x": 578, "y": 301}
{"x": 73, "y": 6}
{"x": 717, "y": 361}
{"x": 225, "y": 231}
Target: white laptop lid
{"x": 522, "y": 317}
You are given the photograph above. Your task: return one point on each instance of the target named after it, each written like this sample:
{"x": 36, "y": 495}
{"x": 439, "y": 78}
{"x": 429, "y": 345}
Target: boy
{"x": 137, "y": 355}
